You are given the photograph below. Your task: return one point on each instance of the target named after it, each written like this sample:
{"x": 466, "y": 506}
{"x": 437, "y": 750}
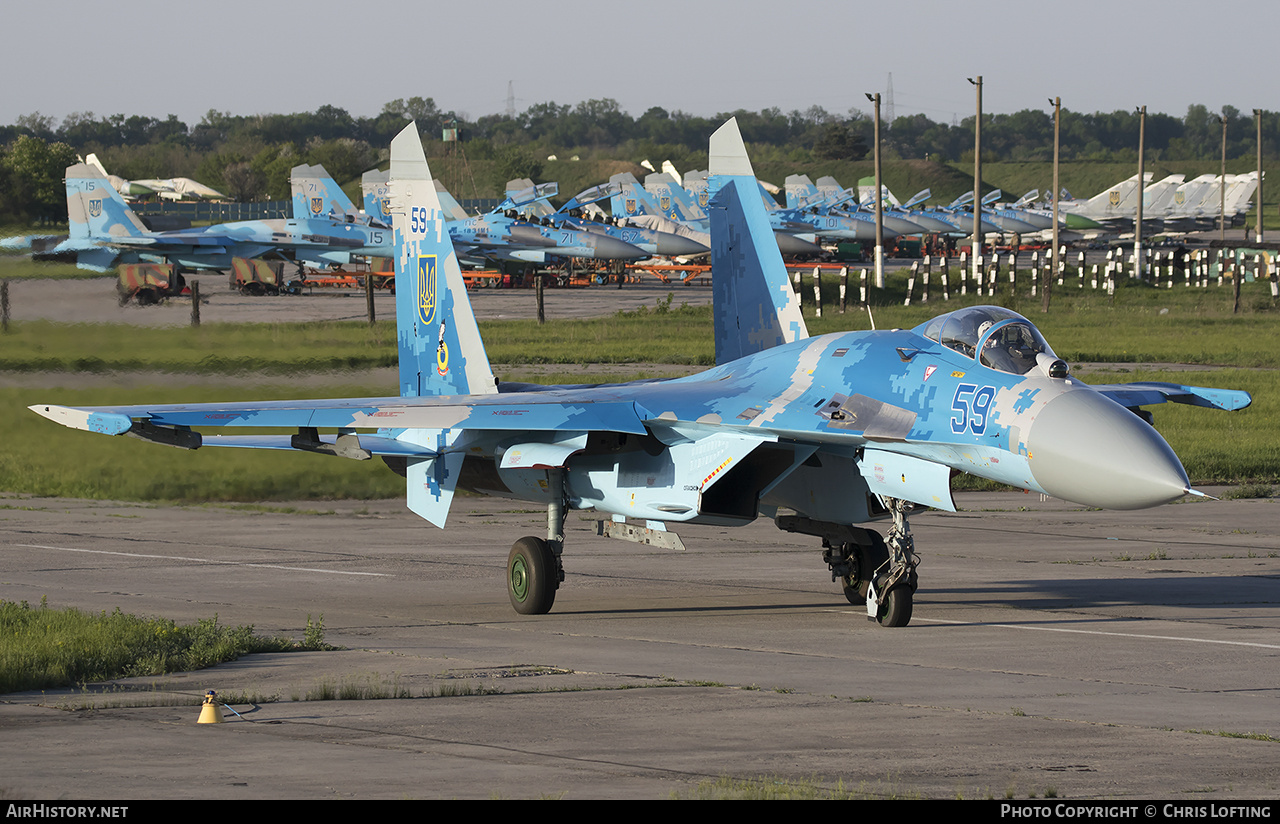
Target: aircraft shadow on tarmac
{"x": 1189, "y": 591}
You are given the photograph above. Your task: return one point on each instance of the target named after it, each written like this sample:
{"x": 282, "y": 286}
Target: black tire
{"x": 531, "y": 577}
{"x": 870, "y": 558}
{"x": 895, "y": 611}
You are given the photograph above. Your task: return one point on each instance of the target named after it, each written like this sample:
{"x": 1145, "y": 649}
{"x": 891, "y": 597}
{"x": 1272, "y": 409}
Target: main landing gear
{"x": 872, "y": 571}
{"x": 534, "y": 569}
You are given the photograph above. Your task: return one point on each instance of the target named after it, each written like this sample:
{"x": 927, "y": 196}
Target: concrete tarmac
{"x": 1054, "y": 651}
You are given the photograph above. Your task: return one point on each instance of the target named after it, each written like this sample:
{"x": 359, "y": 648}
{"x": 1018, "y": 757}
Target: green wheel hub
{"x": 532, "y": 576}
{"x": 519, "y": 579}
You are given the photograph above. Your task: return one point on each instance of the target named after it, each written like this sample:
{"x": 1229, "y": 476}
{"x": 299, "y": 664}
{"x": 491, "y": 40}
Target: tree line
{"x": 249, "y": 156}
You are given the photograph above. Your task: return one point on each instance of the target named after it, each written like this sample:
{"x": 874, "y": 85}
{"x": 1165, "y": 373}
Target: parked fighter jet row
{"x": 665, "y": 216}
{"x": 1173, "y": 204}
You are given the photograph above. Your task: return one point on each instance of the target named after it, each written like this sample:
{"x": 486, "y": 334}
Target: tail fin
{"x": 631, "y": 198}
{"x": 1239, "y": 194}
{"x": 673, "y": 201}
{"x": 801, "y": 192}
{"x": 440, "y": 348}
{"x": 755, "y": 307}
{"x": 373, "y": 185}
{"x": 1120, "y": 199}
{"x": 316, "y": 194}
{"x": 830, "y": 189}
{"x": 96, "y": 214}
{"x": 695, "y": 183}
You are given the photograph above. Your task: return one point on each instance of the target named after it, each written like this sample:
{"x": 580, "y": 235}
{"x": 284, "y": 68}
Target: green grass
{"x": 227, "y": 349}
{"x": 19, "y": 265}
{"x": 1142, "y": 323}
{"x": 42, "y": 648}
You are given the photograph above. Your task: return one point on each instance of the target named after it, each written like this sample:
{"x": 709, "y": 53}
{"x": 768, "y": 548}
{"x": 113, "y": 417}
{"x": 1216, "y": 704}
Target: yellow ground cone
{"x": 211, "y": 711}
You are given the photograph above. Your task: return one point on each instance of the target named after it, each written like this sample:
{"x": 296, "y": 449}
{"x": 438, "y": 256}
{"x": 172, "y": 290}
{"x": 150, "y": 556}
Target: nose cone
{"x": 792, "y": 245}
{"x": 673, "y": 245}
{"x": 523, "y": 234}
{"x": 1012, "y": 225}
{"x": 610, "y": 248}
{"x": 1091, "y": 450}
{"x": 902, "y": 226}
{"x": 931, "y": 224}
{"x": 1040, "y": 222}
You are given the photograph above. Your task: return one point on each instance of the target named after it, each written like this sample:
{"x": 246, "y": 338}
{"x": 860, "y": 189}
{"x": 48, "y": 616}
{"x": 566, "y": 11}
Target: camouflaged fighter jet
{"x": 504, "y": 233}
{"x": 821, "y": 434}
{"x": 824, "y": 209}
{"x": 316, "y": 194}
{"x": 573, "y": 215}
{"x": 633, "y": 205}
{"x": 104, "y": 232}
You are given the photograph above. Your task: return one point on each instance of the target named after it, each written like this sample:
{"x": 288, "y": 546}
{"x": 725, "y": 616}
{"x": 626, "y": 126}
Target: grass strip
{"x": 43, "y": 648}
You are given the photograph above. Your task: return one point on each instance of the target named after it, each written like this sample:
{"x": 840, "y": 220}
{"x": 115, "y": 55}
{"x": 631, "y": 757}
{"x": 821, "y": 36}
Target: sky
{"x": 159, "y": 57}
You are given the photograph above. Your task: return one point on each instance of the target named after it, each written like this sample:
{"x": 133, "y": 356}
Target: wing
{"x": 180, "y": 424}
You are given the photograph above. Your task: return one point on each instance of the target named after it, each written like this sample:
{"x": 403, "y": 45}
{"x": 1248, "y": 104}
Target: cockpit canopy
{"x": 997, "y": 337}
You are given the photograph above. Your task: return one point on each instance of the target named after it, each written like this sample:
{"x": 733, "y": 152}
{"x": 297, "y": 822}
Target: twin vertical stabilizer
{"x": 755, "y": 306}
{"x": 440, "y": 348}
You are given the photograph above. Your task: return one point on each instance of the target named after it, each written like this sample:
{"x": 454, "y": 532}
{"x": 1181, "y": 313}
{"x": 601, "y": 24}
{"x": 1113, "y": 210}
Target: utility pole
{"x": 1257, "y": 115}
{"x": 1138, "y": 268}
{"x": 879, "y": 200}
{"x": 1222, "y": 187}
{"x": 1048, "y": 281}
{"x": 976, "y": 252}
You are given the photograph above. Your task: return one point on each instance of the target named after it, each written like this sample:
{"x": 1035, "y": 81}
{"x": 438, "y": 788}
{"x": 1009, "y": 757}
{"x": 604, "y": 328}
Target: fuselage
{"x": 846, "y": 396}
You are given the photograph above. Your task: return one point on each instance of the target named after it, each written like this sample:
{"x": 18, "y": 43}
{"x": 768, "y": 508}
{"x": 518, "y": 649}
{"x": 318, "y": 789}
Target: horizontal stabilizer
{"x": 1144, "y": 394}
{"x": 430, "y": 484}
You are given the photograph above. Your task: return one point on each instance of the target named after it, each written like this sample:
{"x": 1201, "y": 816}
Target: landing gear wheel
{"x": 895, "y": 610}
{"x": 869, "y": 559}
{"x": 531, "y": 577}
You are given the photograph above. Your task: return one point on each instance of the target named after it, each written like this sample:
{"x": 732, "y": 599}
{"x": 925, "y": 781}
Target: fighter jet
{"x": 826, "y": 211}
{"x": 558, "y": 238}
{"x": 632, "y": 205}
{"x": 104, "y": 232}
{"x": 1114, "y": 209}
{"x": 573, "y": 215}
{"x": 482, "y": 241}
{"x": 171, "y": 188}
{"x": 127, "y": 188}
{"x": 821, "y": 434}
{"x": 317, "y": 195}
